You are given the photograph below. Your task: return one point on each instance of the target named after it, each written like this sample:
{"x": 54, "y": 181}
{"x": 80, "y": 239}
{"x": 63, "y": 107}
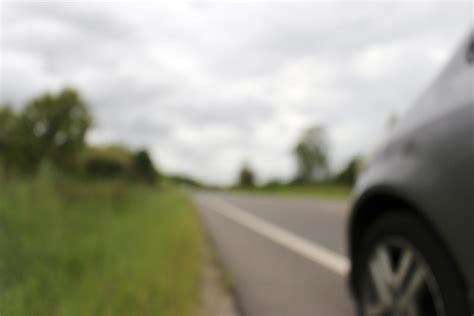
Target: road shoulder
{"x": 217, "y": 297}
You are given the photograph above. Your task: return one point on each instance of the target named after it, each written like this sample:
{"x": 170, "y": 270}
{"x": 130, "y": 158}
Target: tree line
{"x": 51, "y": 129}
{"x": 311, "y": 154}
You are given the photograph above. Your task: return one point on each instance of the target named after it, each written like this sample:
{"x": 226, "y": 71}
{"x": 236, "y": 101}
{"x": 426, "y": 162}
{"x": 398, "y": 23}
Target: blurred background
{"x": 109, "y": 109}
{"x": 207, "y": 86}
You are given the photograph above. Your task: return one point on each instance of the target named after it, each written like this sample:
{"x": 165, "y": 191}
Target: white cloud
{"x": 208, "y": 86}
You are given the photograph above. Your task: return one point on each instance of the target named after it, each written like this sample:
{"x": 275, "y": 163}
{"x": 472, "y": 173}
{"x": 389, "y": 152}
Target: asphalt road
{"x": 284, "y": 256}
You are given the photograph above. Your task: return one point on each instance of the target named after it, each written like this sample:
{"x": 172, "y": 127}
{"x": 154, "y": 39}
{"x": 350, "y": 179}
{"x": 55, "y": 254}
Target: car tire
{"x": 401, "y": 234}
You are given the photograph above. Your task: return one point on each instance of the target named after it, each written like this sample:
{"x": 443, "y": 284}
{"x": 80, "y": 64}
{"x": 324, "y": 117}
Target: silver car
{"x": 411, "y": 232}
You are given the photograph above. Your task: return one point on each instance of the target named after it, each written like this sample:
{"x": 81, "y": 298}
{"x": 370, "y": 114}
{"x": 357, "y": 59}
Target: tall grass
{"x": 92, "y": 248}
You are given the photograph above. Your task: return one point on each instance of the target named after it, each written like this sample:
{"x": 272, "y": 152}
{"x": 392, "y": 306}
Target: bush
{"x": 116, "y": 162}
{"x": 349, "y": 174}
{"x": 143, "y": 169}
{"x": 111, "y": 162}
{"x": 246, "y": 177}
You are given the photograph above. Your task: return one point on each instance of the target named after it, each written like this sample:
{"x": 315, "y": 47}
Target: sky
{"x": 208, "y": 86}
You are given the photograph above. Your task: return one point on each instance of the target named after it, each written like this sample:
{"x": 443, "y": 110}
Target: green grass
{"x": 70, "y": 248}
{"x": 319, "y": 191}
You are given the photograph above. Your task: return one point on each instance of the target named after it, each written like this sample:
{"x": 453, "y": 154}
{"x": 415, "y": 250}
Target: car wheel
{"x": 402, "y": 270}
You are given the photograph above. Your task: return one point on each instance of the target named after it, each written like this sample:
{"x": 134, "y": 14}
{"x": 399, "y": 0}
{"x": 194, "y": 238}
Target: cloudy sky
{"x": 206, "y": 86}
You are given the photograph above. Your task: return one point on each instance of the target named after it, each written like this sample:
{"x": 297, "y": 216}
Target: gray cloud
{"x": 207, "y": 86}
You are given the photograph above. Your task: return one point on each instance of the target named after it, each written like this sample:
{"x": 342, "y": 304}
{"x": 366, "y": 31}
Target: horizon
{"x": 206, "y": 87}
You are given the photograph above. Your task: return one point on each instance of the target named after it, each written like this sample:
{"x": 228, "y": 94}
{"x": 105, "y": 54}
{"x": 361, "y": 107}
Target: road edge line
{"x": 310, "y": 250}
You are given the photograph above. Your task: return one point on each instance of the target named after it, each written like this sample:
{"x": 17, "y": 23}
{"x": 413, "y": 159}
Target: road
{"x": 284, "y": 256}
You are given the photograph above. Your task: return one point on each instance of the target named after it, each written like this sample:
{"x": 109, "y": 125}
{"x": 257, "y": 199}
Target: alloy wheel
{"x": 399, "y": 282}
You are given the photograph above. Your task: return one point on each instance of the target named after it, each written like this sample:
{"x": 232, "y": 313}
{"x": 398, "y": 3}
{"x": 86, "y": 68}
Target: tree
{"x": 8, "y": 126}
{"x": 246, "y": 177}
{"x": 143, "y": 168}
{"x": 349, "y": 174}
{"x": 54, "y": 127}
{"x": 311, "y": 154}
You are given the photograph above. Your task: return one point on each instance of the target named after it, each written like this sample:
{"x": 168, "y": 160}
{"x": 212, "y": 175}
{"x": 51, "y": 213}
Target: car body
{"x": 426, "y": 170}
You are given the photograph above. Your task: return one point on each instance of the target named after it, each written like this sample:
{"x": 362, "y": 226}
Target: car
{"x": 411, "y": 226}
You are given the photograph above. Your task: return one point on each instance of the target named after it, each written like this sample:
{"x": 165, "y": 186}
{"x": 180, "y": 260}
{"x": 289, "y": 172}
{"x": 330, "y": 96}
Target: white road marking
{"x": 314, "y": 252}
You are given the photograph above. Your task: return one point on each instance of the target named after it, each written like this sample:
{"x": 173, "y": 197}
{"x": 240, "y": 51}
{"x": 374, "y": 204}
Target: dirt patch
{"x": 216, "y": 292}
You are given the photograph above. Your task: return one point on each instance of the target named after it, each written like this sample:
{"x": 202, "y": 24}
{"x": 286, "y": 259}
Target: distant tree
{"x": 8, "y": 146}
{"x": 349, "y": 174}
{"x": 143, "y": 168}
{"x": 54, "y": 127}
{"x": 311, "y": 154}
{"x": 274, "y": 183}
{"x": 246, "y": 177}
{"x": 184, "y": 180}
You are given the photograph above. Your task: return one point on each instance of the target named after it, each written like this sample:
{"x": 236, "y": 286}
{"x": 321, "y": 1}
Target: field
{"x": 319, "y": 191}
{"x": 97, "y": 248}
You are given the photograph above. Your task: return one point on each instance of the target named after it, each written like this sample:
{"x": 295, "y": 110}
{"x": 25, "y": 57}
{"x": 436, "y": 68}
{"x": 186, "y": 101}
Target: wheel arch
{"x": 379, "y": 201}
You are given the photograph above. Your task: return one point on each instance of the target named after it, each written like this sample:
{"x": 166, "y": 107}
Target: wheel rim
{"x": 399, "y": 282}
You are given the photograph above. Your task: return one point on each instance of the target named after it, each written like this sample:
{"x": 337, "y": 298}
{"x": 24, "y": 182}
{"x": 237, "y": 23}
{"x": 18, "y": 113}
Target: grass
{"x": 319, "y": 191}
{"x": 71, "y": 248}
